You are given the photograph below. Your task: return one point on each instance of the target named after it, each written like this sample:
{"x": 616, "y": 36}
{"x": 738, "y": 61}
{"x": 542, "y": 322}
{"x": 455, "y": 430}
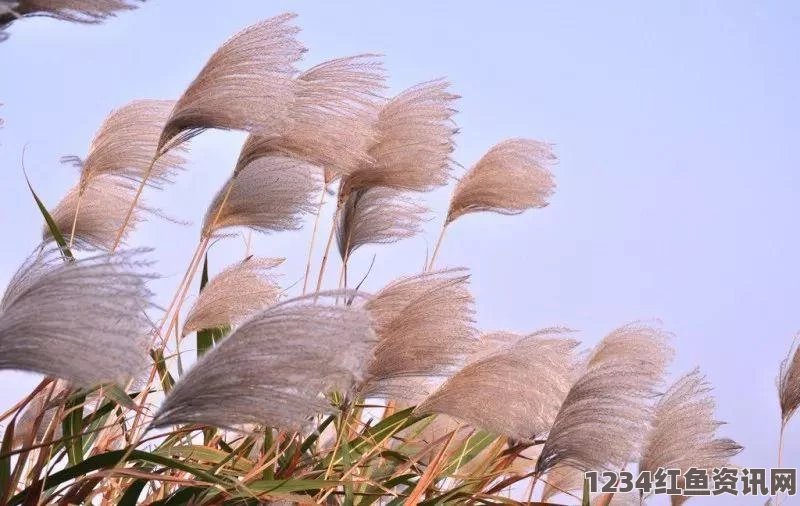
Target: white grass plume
{"x": 415, "y": 140}
{"x": 271, "y": 194}
{"x": 234, "y": 294}
{"x": 331, "y": 121}
{"x": 789, "y": 384}
{"x": 274, "y": 367}
{"x": 246, "y": 85}
{"x": 511, "y": 177}
{"x": 104, "y": 204}
{"x": 602, "y": 422}
{"x": 425, "y": 328}
{"x": 81, "y": 321}
{"x": 515, "y": 391}
{"x": 126, "y": 143}
{"x": 683, "y": 429}
{"x": 561, "y": 479}
{"x": 76, "y": 11}
{"x": 378, "y": 216}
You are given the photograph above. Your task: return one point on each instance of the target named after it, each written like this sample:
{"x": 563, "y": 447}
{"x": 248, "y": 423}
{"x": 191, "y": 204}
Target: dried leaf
{"x": 246, "y": 85}
{"x": 415, "y": 140}
{"x": 377, "y": 216}
{"x": 515, "y": 391}
{"x": 789, "y": 384}
{"x": 332, "y": 117}
{"x": 602, "y": 422}
{"x": 274, "y": 367}
{"x": 425, "y": 328}
{"x": 511, "y": 177}
{"x": 234, "y": 294}
{"x": 271, "y": 194}
{"x": 81, "y": 321}
{"x": 126, "y": 144}
{"x": 683, "y": 432}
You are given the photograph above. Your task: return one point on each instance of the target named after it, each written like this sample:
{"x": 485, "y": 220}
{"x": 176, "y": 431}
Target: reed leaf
{"x": 274, "y": 367}
{"x": 271, "y": 194}
{"x": 246, "y": 85}
{"x": 81, "y": 321}
{"x": 511, "y": 177}
{"x": 425, "y": 329}
{"x": 683, "y": 429}
{"x": 515, "y": 391}
{"x": 378, "y": 216}
{"x": 603, "y": 420}
{"x": 234, "y": 294}
{"x": 126, "y": 143}
{"x": 331, "y": 119}
{"x": 415, "y": 140}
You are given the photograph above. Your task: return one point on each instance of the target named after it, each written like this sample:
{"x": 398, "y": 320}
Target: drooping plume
{"x": 331, "y": 119}
{"x": 377, "y": 216}
{"x": 415, "y": 140}
{"x": 126, "y": 143}
{"x": 26, "y": 424}
{"x": 76, "y": 11}
{"x": 515, "y": 391}
{"x": 511, "y": 177}
{"x": 274, "y": 367}
{"x": 425, "y": 328}
{"x": 683, "y": 430}
{"x": 246, "y": 85}
{"x": 602, "y": 422}
{"x": 789, "y": 384}
{"x": 234, "y": 294}
{"x": 271, "y": 194}
{"x": 103, "y": 205}
{"x": 81, "y": 321}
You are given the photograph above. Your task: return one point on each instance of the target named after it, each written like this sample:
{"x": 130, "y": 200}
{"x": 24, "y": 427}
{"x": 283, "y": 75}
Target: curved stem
{"x": 75, "y": 219}
{"x": 128, "y": 215}
{"x": 313, "y": 237}
{"x": 325, "y": 256}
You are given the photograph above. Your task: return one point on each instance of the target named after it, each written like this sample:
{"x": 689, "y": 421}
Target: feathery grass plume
{"x": 425, "y": 328}
{"x": 603, "y": 419}
{"x": 415, "y": 140}
{"x": 76, "y": 11}
{"x": 511, "y": 177}
{"x": 234, "y": 294}
{"x": 378, "y": 216}
{"x": 561, "y": 479}
{"x": 331, "y": 119}
{"x": 81, "y": 321}
{"x": 789, "y": 384}
{"x": 24, "y": 427}
{"x": 683, "y": 429}
{"x": 104, "y": 204}
{"x": 126, "y": 143}
{"x": 515, "y": 391}
{"x": 274, "y": 367}
{"x": 245, "y": 85}
{"x": 269, "y": 195}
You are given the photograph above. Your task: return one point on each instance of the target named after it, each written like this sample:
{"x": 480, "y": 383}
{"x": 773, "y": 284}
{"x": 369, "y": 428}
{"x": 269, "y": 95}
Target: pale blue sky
{"x": 676, "y": 127}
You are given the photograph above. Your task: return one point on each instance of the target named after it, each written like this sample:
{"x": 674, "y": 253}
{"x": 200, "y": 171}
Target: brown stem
{"x": 139, "y": 190}
{"x": 313, "y": 238}
{"x": 436, "y": 249}
{"x": 75, "y": 218}
{"x": 325, "y": 256}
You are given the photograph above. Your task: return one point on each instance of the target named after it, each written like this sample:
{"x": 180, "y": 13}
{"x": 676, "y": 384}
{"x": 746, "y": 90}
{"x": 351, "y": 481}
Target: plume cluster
{"x": 234, "y": 294}
{"x": 789, "y": 384}
{"x": 126, "y": 143}
{"x": 273, "y": 368}
{"x": 424, "y": 327}
{"x": 246, "y": 85}
{"x": 683, "y": 429}
{"x": 514, "y": 391}
{"x": 331, "y": 120}
{"x": 414, "y": 142}
{"x": 103, "y": 205}
{"x": 511, "y": 177}
{"x": 80, "y": 321}
{"x": 77, "y": 11}
{"x": 602, "y": 421}
{"x": 377, "y": 216}
{"x": 270, "y": 194}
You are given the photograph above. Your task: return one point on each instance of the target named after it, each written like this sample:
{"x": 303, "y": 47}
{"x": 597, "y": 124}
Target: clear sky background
{"x": 676, "y": 127}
